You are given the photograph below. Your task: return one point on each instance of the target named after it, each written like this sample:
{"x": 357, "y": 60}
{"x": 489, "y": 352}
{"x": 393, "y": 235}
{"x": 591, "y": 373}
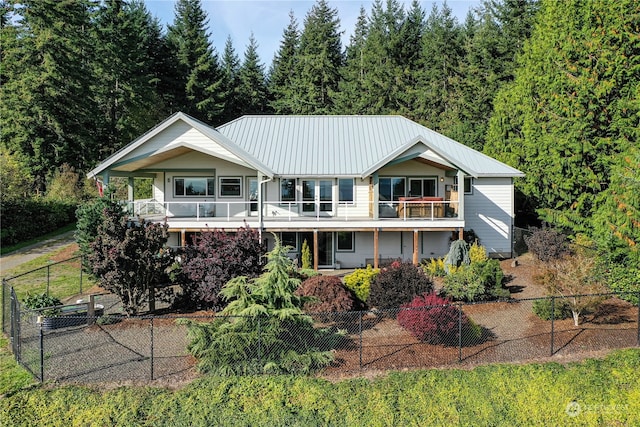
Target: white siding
{"x": 180, "y": 133}
{"x": 489, "y": 212}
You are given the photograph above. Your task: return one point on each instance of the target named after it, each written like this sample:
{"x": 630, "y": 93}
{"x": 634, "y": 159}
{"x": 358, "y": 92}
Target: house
{"x": 359, "y": 189}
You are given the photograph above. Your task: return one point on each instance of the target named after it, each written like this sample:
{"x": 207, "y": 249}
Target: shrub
{"x": 35, "y": 302}
{"x": 359, "y": 282}
{"x": 624, "y": 279}
{"x": 542, "y": 309}
{"x": 434, "y": 320}
{"x": 477, "y": 282}
{"x": 458, "y": 255}
{"x": 434, "y": 267}
{"x": 306, "y": 256}
{"x": 547, "y": 244}
{"x": 477, "y": 253}
{"x": 397, "y": 285}
{"x": 267, "y": 331}
{"x": 327, "y": 293}
{"x": 26, "y": 219}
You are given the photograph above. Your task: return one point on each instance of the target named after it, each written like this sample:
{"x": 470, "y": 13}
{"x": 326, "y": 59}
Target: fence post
{"x": 259, "y": 342}
{"x": 4, "y": 289}
{"x": 459, "y": 333}
{"x": 360, "y": 335}
{"x": 81, "y": 265}
{"x": 553, "y": 312}
{"x": 48, "y": 274}
{"x": 41, "y": 354}
{"x": 151, "y": 358}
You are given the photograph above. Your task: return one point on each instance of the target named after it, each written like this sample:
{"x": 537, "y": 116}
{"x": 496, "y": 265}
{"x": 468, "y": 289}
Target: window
{"x": 230, "y": 187}
{"x": 468, "y": 181}
{"x": 391, "y": 189}
{"x": 289, "y": 239}
{"x": 308, "y": 195}
{"x": 422, "y": 187}
{"x": 288, "y": 190}
{"x": 326, "y": 195}
{"x": 193, "y": 186}
{"x": 345, "y": 241}
{"x": 345, "y": 190}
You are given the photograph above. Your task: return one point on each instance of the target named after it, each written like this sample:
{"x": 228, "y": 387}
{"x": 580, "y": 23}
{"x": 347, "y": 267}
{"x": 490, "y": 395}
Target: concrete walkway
{"x": 28, "y": 253}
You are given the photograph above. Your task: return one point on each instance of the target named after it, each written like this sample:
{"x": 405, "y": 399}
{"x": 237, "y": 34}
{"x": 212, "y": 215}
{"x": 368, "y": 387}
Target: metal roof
{"x": 348, "y": 145}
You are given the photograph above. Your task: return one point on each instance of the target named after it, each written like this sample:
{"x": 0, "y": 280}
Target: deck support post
{"x": 376, "y": 254}
{"x": 416, "y": 258}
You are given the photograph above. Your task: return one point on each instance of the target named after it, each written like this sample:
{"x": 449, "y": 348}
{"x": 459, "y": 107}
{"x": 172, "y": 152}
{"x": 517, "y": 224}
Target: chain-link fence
{"x": 113, "y": 348}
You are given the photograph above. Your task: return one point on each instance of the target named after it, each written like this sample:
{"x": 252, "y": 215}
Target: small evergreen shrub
{"x": 359, "y": 282}
{"x": 547, "y": 244}
{"x": 306, "y": 256}
{"x": 561, "y": 309}
{"x": 327, "y": 295}
{"x": 458, "y": 255}
{"x": 397, "y": 285}
{"x": 477, "y": 253}
{"x": 626, "y": 280}
{"x": 478, "y": 282}
{"x": 434, "y": 320}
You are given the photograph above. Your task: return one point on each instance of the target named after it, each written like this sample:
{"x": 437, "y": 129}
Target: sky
{"x": 267, "y": 19}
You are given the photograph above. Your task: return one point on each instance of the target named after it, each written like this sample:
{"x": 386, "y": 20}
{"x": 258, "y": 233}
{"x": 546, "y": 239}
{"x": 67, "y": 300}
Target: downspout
{"x": 260, "y": 203}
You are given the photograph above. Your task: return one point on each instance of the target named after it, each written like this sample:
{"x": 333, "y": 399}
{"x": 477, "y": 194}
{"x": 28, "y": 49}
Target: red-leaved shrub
{"x": 329, "y": 295}
{"x": 434, "y": 320}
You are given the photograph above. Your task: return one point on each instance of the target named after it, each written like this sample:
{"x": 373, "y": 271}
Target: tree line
{"x": 551, "y": 88}
{"x": 82, "y": 78}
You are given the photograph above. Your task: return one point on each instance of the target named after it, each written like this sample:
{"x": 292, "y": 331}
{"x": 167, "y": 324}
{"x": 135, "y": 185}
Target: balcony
{"x": 275, "y": 213}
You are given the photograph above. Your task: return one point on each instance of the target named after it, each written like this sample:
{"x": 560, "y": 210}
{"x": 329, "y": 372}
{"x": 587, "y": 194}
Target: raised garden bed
{"x": 70, "y": 315}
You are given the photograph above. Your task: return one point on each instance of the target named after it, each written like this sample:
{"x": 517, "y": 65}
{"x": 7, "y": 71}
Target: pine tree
{"x": 349, "y": 98}
{"x": 252, "y": 86}
{"x": 318, "y": 61}
{"x": 442, "y": 50}
{"x": 231, "y": 69}
{"x": 125, "y": 83}
{"x": 282, "y": 72}
{"x": 45, "y": 114}
{"x": 201, "y": 80}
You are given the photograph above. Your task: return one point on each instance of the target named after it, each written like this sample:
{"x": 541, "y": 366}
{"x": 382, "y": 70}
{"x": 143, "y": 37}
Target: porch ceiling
{"x": 149, "y": 160}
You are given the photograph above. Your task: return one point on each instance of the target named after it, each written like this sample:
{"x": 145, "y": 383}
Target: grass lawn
{"x": 63, "y": 276}
{"x": 590, "y": 393}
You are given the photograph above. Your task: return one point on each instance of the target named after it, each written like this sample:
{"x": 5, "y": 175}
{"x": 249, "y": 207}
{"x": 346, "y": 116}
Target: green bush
{"x": 397, "y": 285}
{"x": 457, "y": 257}
{"x": 359, "y": 282}
{"x": 35, "y": 302}
{"x": 561, "y": 309}
{"x": 626, "y": 280}
{"x": 477, "y": 282}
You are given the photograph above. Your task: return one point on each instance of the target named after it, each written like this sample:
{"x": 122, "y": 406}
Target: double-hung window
{"x": 345, "y": 190}
{"x": 287, "y": 190}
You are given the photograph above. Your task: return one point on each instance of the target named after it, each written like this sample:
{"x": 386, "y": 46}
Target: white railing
{"x": 290, "y": 211}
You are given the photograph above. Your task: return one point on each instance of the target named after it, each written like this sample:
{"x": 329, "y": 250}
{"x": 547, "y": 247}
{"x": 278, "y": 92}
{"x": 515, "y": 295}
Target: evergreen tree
{"x": 492, "y": 42}
{"x": 318, "y": 61}
{"x": 572, "y": 109}
{"x": 381, "y": 56}
{"x": 46, "y": 107}
{"x": 252, "y": 86}
{"x": 281, "y": 74}
{"x": 125, "y": 82}
{"x": 349, "y": 99}
{"x": 442, "y": 50}
{"x": 231, "y": 69}
{"x": 200, "y": 77}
